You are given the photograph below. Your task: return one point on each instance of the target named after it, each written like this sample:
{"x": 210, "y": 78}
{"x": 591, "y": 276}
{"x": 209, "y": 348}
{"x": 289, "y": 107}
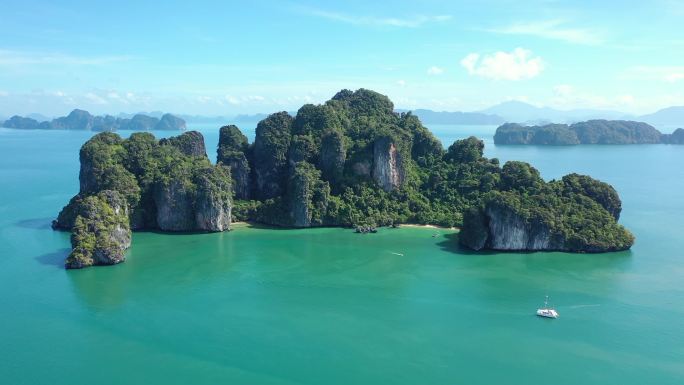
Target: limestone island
{"x": 82, "y": 120}
{"x": 589, "y": 132}
{"x": 351, "y": 161}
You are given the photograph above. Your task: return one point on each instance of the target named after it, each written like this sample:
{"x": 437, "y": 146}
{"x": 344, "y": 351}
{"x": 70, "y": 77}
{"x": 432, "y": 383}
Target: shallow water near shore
{"x": 328, "y": 306}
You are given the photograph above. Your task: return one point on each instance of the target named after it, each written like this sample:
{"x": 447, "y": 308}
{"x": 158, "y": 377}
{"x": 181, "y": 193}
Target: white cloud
{"x": 674, "y": 77}
{"x": 412, "y": 22}
{"x": 94, "y": 98}
{"x": 670, "y": 74}
{"x": 4, "y": 93}
{"x": 434, "y": 70}
{"x": 552, "y": 29}
{"x": 566, "y": 96}
{"x": 516, "y": 65}
{"x": 402, "y": 83}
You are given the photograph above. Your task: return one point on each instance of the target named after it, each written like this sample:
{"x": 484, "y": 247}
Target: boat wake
{"x": 581, "y": 306}
{"x": 399, "y": 254}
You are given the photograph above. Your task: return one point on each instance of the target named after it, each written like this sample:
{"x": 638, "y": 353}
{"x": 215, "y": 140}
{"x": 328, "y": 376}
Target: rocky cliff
{"x": 577, "y": 214}
{"x": 388, "y": 164}
{"x": 233, "y": 151}
{"x": 101, "y": 233}
{"x": 307, "y": 196}
{"x": 333, "y": 156}
{"x": 271, "y": 147}
{"x": 168, "y": 185}
{"x": 350, "y": 161}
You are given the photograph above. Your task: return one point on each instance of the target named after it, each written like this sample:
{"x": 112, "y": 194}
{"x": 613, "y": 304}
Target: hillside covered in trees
{"x": 350, "y": 161}
{"x": 589, "y": 132}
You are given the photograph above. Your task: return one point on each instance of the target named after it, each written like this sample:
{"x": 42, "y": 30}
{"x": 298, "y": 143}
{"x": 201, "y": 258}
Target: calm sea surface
{"x": 327, "y": 306}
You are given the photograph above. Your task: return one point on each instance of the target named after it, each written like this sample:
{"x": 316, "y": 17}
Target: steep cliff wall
{"x": 388, "y": 164}
{"x": 233, "y": 151}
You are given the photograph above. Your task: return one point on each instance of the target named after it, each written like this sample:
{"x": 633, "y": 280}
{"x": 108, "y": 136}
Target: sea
{"x": 327, "y": 306}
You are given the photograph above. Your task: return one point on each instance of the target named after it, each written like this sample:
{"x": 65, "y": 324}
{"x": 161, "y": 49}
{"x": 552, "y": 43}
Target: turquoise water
{"x": 326, "y": 306}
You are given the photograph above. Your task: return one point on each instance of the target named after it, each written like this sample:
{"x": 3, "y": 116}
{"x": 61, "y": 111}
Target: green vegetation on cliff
{"x": 577, "y": 214}
{"x": 354, "y": 161}
{"x": 168, "y": 185}
{"x": 101, "y": 232}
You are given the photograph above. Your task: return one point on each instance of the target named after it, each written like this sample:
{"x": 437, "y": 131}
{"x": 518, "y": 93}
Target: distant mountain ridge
{"x": 520, "y": 112}
{"x": 670, "y": 116}
{"x": 513, "y": 111}
{"x": 456, "y": 117}
{"x": 84, "y": 121}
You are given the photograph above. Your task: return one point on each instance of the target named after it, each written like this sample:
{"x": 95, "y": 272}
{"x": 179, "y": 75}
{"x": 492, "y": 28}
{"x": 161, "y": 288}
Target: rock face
{"x": 271, "y": 147}
{"x": 233, "y": 150}
{"x": 307, "y": 196}
{"x": 168, "y": 185}
{"x": 333, "y": 156}
{"x": 204, "y": 204}
{"x": 170, "y": 122}
{"x": 174, "y": 206}
{"x": 570, "y": 215}
{"x": 101, "y": 233}
{"x": 388, "y": 166}
{"x": 589, "y": 132}
{"x": 213, "y": 203}
{"x": 190, "y": 143}
{"x": 509, "y": 231}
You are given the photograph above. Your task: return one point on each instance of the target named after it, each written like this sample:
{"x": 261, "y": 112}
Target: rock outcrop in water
{"x": 81, "y": 120}
{"x": 589, "y": 132}
{"x": 168, "y": 185}
{"x": 576, "y": 214}
{"x": 101, "y": 232}
{"x": 352, "y": 161}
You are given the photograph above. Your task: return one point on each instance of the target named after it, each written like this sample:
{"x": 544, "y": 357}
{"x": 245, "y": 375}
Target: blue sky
{"x": 230, "y": 57}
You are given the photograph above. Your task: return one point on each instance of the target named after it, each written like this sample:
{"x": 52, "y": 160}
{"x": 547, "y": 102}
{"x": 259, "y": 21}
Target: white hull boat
{"x": 547, "y": 311}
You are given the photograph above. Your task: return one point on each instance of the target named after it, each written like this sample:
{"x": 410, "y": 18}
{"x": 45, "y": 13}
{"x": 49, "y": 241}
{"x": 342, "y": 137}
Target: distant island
{"x": 350, "y": 161}
{"x": 83, "y": 120}
{"x": 589, "y": 132}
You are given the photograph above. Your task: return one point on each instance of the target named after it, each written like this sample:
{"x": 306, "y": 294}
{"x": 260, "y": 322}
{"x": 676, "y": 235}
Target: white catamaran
{"x": 547, "y": 311}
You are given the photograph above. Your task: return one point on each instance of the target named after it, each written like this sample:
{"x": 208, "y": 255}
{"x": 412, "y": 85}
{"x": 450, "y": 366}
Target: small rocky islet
{"x": 350, "y": 162}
